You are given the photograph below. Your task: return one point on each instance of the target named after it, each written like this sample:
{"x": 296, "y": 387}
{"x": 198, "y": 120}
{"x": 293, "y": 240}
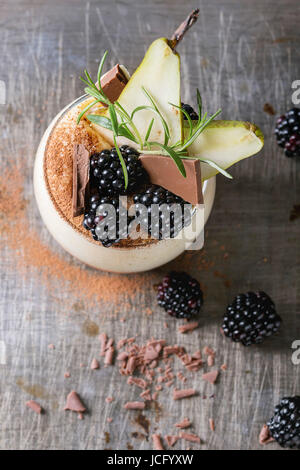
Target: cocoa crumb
{"x": 190, "y": 437}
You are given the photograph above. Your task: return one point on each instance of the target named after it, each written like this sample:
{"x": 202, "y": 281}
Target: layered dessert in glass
{"x": 124, "y": 176}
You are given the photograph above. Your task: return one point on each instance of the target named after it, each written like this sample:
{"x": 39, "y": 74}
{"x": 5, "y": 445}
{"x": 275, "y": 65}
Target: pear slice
{"x": 159, "y": 74}
{"x": 226, "y": 143}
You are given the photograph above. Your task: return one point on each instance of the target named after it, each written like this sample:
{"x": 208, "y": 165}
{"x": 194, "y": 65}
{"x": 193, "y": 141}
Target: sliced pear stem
{"x": 183, "y": 28}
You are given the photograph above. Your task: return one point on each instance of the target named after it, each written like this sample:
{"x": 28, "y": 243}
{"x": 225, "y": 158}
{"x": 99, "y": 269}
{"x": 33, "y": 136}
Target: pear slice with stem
{"x": 225, "y": 143}
{"x": 157, "y": 77}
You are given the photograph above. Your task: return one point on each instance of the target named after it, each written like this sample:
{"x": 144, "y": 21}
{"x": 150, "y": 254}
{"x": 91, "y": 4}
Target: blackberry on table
{"x": 250, "y": 318}
{"x": 104, "y": 226}
{"x": 191, "y": 112}
{"x": 107, "y": 172}
{"x": 180, "y": 295}
{"x": 284, "y": 426}
{"x": 287, "y": 132}
{"x": 167, "y": 224}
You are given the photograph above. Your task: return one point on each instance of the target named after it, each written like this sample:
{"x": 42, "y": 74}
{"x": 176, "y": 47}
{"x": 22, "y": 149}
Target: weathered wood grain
{"x": 241, "y": 55}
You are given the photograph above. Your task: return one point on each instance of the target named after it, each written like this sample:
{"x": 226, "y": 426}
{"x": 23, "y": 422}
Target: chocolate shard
{"x": 81, "y": 178}
{"x": 74, "y": 403}
{"x": 113, "y": 82}
{"x": 163, "y": 172}
{"x": 36, "y": 407}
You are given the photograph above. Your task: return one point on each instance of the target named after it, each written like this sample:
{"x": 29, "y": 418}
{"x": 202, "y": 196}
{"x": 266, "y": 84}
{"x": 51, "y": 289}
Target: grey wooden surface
{"x": 241, "y": 55}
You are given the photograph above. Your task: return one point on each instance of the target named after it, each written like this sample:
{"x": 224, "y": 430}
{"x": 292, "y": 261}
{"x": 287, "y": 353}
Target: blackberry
{"x": 191, "y": 112}
{"x": 287, "y": 132}
{"x": 107, "y": 172}
{"x": 284, "y": 426}
{"x": 161, "y": 221}
{"x": 250, "y": 318}
{"x": 105, "y": 226}
{"x": 180, "y": 295}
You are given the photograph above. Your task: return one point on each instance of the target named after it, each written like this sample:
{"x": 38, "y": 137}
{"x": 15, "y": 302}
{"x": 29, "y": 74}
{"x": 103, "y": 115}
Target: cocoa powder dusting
{"x": 30, "y": 253}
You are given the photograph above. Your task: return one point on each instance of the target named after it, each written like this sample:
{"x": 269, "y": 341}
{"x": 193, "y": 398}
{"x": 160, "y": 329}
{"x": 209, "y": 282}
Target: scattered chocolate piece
{"x": 74, "y": 403}
{"x": 137, "y": 381}
{"x": 34, "y": 406}
{"x": 268, "y": 108}
{"x": 185, "y": 423}
{"x": 103, "y": 340}
{"x": 109, "y": 356}
{"x": 190, "y": 437}
{"x": 184, "y": 393}
{"x": 95, "y": 364}
{"x": 81, "y": 178}
{"x": 211, "y": 377}
{"x": 171, "y": 440}
{"x": 188, "y": 327}
{"x": 135, "y": 405}
{"x": 265, "y": 436}
{"x": 146, "y": 395}
{"x": 130, "y": 367}
{"x": 163, "y": 172}
{"x": 157, "y": 442}
{"x": 113, "y": 82}
{"x": 211, "y": 424}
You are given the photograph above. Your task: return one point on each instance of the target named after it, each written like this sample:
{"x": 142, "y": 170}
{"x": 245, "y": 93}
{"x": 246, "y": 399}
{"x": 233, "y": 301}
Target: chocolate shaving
{"x": 184, "y": 27}
{"x": 190, "y": 437}
{"x": 211, "y": 424}
{"x": 188, "y": 327}
{"x": 81, "y": 178}
{"x": 109, "y": 356}
{"x": 74, "y": 403}
{"x": 134, "y": 405}
{"x": 265, "y": 436}
{"x": 34, "y": 406}
{"x": 184, "y": 393}
{"x": 211, "y": 377}
{"x": 95, "y": 364}
{"x": 185, "y": 423}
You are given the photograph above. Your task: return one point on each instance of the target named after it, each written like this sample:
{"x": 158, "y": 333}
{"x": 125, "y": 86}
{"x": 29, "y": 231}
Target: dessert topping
{"x": 81, "y": 177}
{"x": 163, "y": 172}
{"x": 113, "y": 82}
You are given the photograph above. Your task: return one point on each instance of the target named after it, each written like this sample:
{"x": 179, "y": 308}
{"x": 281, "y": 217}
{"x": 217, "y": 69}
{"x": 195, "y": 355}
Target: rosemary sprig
{"x": 121, "y": 123}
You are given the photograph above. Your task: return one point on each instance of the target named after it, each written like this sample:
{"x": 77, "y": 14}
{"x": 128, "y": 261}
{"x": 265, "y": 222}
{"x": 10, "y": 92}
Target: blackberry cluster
{"x": 180, "y": 295}
{"x": 106, "y": 227}
{"x": 108, "y": 173}
{"x": 284, "y": 426}
{"x": 288, "y": 132}
{"x": 191, "y": 112}
{"x": 165, "y": 223}
{"x": 250, "y": 318}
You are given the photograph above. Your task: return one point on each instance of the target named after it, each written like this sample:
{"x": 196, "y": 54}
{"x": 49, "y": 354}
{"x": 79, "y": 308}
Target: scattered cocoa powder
{"x": 31, "y": 254}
